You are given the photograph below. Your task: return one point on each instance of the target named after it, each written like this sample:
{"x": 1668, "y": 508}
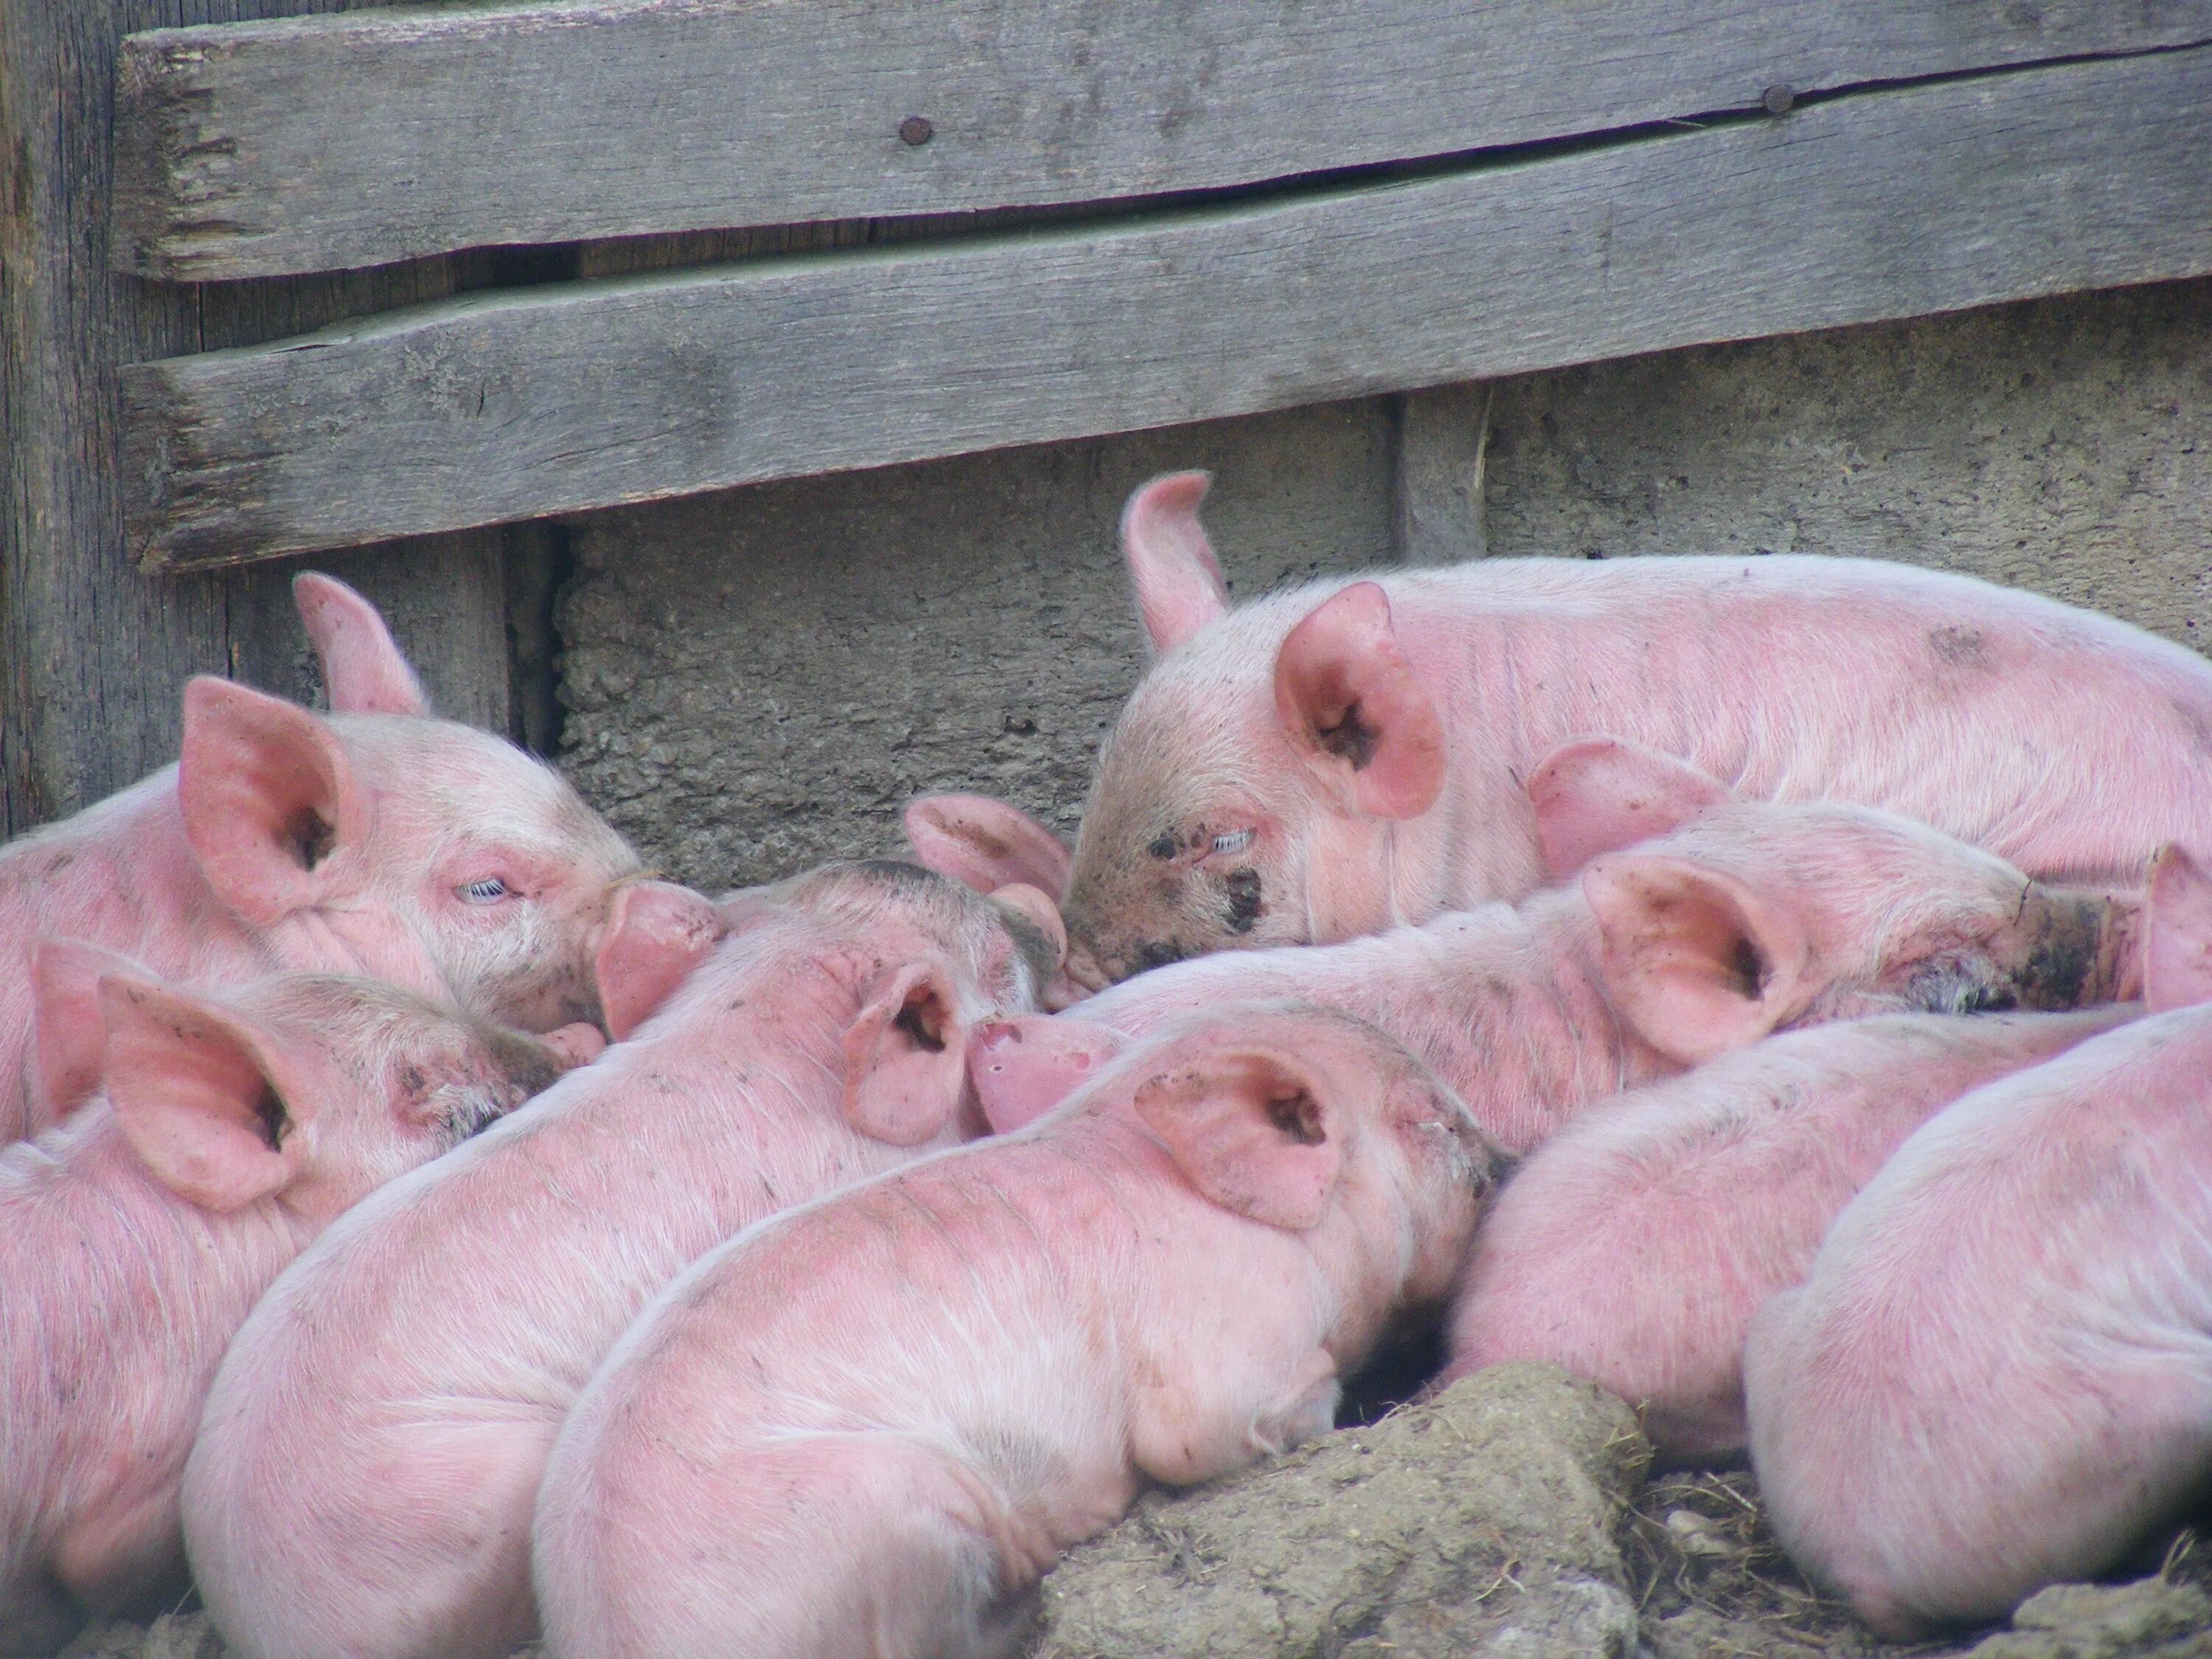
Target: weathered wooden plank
{"x": 94, "y": 655}
{"x": 354, "y": 140}
{"x": 1435, "y": 508}
{"x": 1883, "y": 204}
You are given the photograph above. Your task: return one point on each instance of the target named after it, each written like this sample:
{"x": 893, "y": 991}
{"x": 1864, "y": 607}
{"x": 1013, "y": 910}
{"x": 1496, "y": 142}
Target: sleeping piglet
{"x": 1746, "y": 917}
{"x": 871, "y": 1425}
{"x": 374, "y": 841}
{"x": 1998, "y": 1375}
{"x": 1348, "y": 755}
{"x": 1633, "y": 1247}
{"x": 220, "y": 1133}
{"x": 807, "y": 1036}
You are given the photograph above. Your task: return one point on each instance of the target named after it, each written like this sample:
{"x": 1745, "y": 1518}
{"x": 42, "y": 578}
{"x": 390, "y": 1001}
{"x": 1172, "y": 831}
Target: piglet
{"x": 812, "y": 1034}
{"x": 372, "y": 840}
{"x": 1344, "y": 757}
{"x": 870, "y": 1426}
{"x": 1746, "y": 917}
{"x": 1633, "y": 1247}
{"x": 220, "y": 1134}
{"x": 1999, "y": 1373}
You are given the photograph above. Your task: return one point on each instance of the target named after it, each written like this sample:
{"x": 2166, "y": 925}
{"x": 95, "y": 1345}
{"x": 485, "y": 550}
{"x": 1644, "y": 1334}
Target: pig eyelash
{"x": 489, "y": 891}
{"x": 1235, "y": 841}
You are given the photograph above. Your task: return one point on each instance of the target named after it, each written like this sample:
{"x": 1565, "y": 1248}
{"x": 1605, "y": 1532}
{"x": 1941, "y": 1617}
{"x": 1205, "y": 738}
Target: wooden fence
{"x": 250, "y": 309}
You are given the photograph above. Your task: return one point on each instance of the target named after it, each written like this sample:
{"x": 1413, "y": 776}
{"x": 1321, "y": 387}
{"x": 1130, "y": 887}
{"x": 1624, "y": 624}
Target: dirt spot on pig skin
{"x": 1245, "y": 909}
{"x": 2064, "y": 953}
{"x": 1350, "y": 738}
{"x": 1960, "y": 647}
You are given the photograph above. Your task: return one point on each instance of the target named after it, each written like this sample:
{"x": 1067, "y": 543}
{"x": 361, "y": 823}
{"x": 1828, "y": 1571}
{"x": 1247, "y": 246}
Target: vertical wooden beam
{"x": 92, "y": 655}
{"x": 1442, "y": 433}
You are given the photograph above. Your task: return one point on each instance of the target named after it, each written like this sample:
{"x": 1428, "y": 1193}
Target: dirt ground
{"x": 1510, "y": 1515}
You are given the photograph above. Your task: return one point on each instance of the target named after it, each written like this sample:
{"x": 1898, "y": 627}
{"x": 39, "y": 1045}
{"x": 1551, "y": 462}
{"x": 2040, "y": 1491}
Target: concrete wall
{"x": 760, "y": 679}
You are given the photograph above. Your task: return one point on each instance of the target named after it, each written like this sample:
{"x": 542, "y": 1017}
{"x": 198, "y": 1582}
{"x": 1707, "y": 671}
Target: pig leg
{"x": 817, "y": 1546}
{"x": 436, "y": 1566}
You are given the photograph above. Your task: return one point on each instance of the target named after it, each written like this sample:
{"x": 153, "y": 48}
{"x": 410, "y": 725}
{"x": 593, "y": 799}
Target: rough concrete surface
{"x": 2061, "y": 444}
{"x": 761, "y": 679}
{"x": 758, "y": 679}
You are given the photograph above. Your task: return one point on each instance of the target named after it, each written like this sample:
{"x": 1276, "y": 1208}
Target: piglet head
{"x": 927, "y": 960}
{"x": 1753, "y": 917}
{"x": 1245, "y": 795}
{"x": 379, "y": 840}
{"x": 308, "y": 1090}
{"x": 1001, "y": 851}
{"x": 1309, "y": 1120}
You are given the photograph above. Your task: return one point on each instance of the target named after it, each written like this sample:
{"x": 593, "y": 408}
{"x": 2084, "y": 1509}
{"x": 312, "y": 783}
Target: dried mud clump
{"x": 1481, "y": 1523}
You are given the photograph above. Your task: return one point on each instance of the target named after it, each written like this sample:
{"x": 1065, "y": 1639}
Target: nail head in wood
{"x": 1778, "y": 98}
{"x": 917, "y": 130}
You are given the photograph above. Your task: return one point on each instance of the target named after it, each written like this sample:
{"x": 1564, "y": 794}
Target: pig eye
{"x": 1235, "y": 841}
{"x": 489, "y": 891}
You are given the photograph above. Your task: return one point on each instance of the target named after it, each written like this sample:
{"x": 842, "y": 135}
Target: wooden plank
{"x": 93, "y": 654}
{"x": 1883, "y": 204}
{"x": 358, "y": 139}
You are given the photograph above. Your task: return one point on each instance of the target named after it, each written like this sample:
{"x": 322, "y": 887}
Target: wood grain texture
{"x": 356, "y": 140}
{"x": 1884, "y": 204}
{"x": 1435, "y": 506}
{"x": 94, "y": 655}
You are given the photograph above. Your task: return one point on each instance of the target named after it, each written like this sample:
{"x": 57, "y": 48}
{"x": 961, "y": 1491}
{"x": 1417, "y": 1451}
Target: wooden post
{"x": 1442, "y": 433}
{"x": 94, "y": 655}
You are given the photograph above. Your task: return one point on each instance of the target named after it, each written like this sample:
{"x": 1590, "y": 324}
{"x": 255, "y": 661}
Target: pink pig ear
{"x": 362, "y": 670}
{"x": 986, "y": 843}
{"x": 656, "y": 935}
{"x": 906, "y": 1058}
{"x": 197, "y": 1093}
{"x": 1601, "y": 794}
{"x": 1022, "y": 1068}
{"x": 67, "y": 1036}
{"x": 1345, "y": 693}
{"x": 2177, "y": 949}
{"x": 1695, "y": 961}
{"x": 1058, "y": 990}
{"x": 1177, "y": 579}
{"x": 1253, "y": 1129}
{"x": 269, "y": 797}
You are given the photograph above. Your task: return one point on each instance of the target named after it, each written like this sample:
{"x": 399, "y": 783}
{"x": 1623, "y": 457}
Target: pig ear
{"x": 1177, "y": 579}
{"x": 362, "y": 670}
{"x": 196, "y": 1094}
{"x": 1252, "y": 1129}
{"x": 986, "y": 843}
{"x": 1058, "y": 991}
{"x": 656, "y": 935}
{"x": 2177, "y": 962}
{"x": 1602, "y": 794}
{"x": 1695, "y": 961}
{"x": 906, "y": 1058}
{"x": 66, "y": 1032}
{"x": 1345, "y": 693}
{"x": 269, "y": 798}
{"x": 1022, "y": 1068}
